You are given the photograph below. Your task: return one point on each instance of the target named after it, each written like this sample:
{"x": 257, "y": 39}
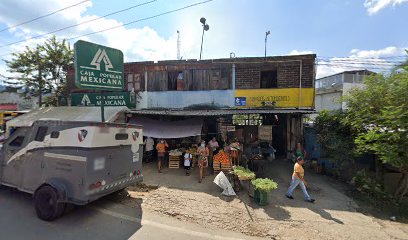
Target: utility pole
{"x": 266, "y": 40}
{"x": 206, "y": 27}
{"x": 178, "y": 45}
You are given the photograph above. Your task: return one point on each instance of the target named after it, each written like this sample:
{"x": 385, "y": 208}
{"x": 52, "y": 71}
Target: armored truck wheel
{"x": 46, "y": 203}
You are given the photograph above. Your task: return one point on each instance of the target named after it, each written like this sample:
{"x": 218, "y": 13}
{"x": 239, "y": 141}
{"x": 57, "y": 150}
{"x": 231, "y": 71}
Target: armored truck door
{"x": 14, "y": 158}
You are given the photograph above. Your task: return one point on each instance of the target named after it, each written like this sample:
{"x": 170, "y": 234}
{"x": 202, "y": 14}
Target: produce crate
{"x": 216, "y": 167}
{"x": 174, "y": 162}
{"x": 226, "y": 167}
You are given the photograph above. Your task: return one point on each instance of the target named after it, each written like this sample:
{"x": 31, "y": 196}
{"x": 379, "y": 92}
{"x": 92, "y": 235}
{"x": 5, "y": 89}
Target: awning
{"x": 166, "y": 129}
{"x": 217, "y": 112}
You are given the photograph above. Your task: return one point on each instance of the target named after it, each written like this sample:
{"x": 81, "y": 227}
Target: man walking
{"x": 298, "y": 179}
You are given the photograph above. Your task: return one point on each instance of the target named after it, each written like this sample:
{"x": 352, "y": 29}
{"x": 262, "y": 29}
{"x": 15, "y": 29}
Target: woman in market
{"x": 202, "y": 153}
{"x": 300, "y": 151}
{"x": 161, "y": 153}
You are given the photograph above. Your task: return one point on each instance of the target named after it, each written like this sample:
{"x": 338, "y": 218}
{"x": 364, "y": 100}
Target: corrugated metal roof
{"x": 66, "y": 114}
{"x": 217, "y": 112}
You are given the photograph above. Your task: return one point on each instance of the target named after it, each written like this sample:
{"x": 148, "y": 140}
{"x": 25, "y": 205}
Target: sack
{"x": 222, "y": 181}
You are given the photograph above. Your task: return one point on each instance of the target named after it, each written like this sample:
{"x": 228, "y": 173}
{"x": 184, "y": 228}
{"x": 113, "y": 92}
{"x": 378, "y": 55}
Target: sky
{"x": 344, "y": 34}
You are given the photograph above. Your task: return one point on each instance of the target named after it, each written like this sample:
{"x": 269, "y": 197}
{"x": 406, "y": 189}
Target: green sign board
{"x": 98, "y": 67}
{"x": 110, "y": 99}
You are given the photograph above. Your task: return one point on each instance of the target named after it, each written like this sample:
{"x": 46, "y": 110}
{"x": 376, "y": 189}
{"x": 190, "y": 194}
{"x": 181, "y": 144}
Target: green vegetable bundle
{"x": 243, "y": 173}
{"x": 264, "y": 184}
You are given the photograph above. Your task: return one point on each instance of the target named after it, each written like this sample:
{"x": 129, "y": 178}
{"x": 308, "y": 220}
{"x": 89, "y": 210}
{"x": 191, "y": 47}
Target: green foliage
{"x": 243, "y": 172}
{"x": 264, "y": 184}
{"x": 367, "y": 185}
{"x": 43, "y": 68}
{"x": 336, "y": 138}
{"x": 379, "y": 115}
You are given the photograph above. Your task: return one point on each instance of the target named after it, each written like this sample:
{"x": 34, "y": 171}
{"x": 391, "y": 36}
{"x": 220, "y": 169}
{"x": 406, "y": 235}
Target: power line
{"x": 43, "y": 16}
{"x": 78, "y": 24}
{"x": 142, "y": 19}
{"x": 132, "y": 22}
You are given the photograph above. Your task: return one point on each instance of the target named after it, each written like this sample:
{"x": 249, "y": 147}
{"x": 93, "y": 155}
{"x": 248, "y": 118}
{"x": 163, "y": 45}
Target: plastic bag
{"x": 222, "y": 181}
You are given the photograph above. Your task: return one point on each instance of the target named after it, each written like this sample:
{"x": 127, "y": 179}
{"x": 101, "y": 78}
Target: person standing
{"x": 213, "y": 145}
{"x": 187, "y": 162}
{"x": 300, "y": 151}
{"x": 149, "y": 144}
{"x": 161, "y": 153}
{"x": 298, "y": 179}
{"x": 202, "y": 153}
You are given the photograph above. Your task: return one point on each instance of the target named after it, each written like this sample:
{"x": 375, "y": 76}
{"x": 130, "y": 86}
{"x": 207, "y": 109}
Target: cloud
{"x": 296, "y": 52}
{"x": 380, "y": 60}
{"x": 137, "y": 43}
{"x": 374, "y": 6}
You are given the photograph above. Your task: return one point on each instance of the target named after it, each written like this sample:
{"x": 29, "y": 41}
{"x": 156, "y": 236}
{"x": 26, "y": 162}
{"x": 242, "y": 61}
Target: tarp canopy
{"x": 66, "y": 114}
{"x": 165, "y": 129}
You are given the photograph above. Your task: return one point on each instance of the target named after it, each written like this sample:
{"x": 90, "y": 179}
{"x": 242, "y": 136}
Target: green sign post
{"x": 98, "y": 67}
{"x": 107, "y": 99}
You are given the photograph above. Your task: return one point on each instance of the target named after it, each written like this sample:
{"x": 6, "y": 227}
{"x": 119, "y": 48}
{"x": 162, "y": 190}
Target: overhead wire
{"x": 43, "y": 16}
{"x": 78, "y": 24}
{"x": 135, "y": 21}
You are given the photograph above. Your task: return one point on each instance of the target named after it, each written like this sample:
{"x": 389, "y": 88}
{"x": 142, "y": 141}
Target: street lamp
{"x": 206, "y": 27}
{"x": 266, "y": 39}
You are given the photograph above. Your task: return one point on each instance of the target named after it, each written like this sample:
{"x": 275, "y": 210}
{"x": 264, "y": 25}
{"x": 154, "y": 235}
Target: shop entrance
{"x": 279, "y": 135}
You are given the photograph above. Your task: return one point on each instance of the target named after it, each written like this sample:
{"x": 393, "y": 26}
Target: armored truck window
{"x": 17, "y": 142}
{"x": 55, "y": 134}
{"x": 41, "y": 132}
{"x": 121, "y": 136}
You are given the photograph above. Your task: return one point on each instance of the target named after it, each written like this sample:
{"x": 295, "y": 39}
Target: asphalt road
{"x": 103, "y": 219}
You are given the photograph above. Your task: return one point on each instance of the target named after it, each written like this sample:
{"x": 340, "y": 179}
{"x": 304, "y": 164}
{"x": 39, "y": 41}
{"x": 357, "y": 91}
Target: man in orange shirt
{"x": 161, "y": 153}
{"x": 298, "y": 179}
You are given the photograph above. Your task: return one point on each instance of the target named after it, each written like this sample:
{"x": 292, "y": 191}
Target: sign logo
{"x": 135, "y": 135}
{"x": 85, "y": 100}
{"x": 98, "y": 58}
{"x": 240, "y": 101}
{"x": 82, "y": 134}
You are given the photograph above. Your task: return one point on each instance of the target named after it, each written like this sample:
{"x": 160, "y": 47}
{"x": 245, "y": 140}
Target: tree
{"x": 379, "y": 115}
{"x": 336, "y": 138}
{"x": 43, "y": 68}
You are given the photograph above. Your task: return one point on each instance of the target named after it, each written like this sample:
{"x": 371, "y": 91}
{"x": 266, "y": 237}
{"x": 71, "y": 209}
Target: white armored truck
{"x": 77, "y": 162}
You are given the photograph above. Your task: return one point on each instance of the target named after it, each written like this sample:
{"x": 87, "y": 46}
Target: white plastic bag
{"x": 222, "y": 181}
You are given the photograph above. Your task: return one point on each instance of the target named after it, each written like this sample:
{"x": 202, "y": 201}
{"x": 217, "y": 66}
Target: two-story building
{"x": 252, "y": 98}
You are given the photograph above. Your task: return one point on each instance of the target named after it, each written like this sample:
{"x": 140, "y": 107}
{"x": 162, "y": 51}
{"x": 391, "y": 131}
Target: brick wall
{"x": 248, "y": 72}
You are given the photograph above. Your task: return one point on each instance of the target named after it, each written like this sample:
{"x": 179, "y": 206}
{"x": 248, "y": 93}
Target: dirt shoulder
{"x": 333, "y": 216}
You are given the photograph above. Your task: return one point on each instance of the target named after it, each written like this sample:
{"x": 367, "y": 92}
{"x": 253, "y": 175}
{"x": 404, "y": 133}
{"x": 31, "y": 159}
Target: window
{"x": 41, "y": 132}
{"x": 134, "y": 82}
{"x": 247, "y": 119}
{"x": 121, "y": 136}
{"x": 17, "y": 142}
{"x": 55, "y": 134}
{"x": 269, "y": 79}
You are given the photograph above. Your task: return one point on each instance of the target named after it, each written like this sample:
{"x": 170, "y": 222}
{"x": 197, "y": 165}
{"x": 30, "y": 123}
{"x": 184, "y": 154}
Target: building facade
{"x": 235, "y": 97}
{"x": 331, "y": 89}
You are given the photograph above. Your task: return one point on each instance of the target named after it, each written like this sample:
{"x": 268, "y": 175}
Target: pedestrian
{"x": 213, "y": 145}
{"x": 187, "y": 162}
{"x": 202, "y": 153}
{"x": 300, "y": 151}
{"x": 298, "y": 179}
{"x": 149, "y": 144}
{"x": 161, "y": 153}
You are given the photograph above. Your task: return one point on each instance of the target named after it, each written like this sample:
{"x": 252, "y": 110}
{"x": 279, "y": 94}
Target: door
{"x": 13, "y": 159}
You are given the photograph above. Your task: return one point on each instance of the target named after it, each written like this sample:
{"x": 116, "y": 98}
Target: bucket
{"x": 261, "y": 197}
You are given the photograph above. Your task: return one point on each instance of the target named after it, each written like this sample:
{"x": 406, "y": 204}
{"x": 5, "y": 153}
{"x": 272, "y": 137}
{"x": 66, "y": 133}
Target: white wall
{"x": 183, "y": 99}
{"x": 328, "y": 101}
